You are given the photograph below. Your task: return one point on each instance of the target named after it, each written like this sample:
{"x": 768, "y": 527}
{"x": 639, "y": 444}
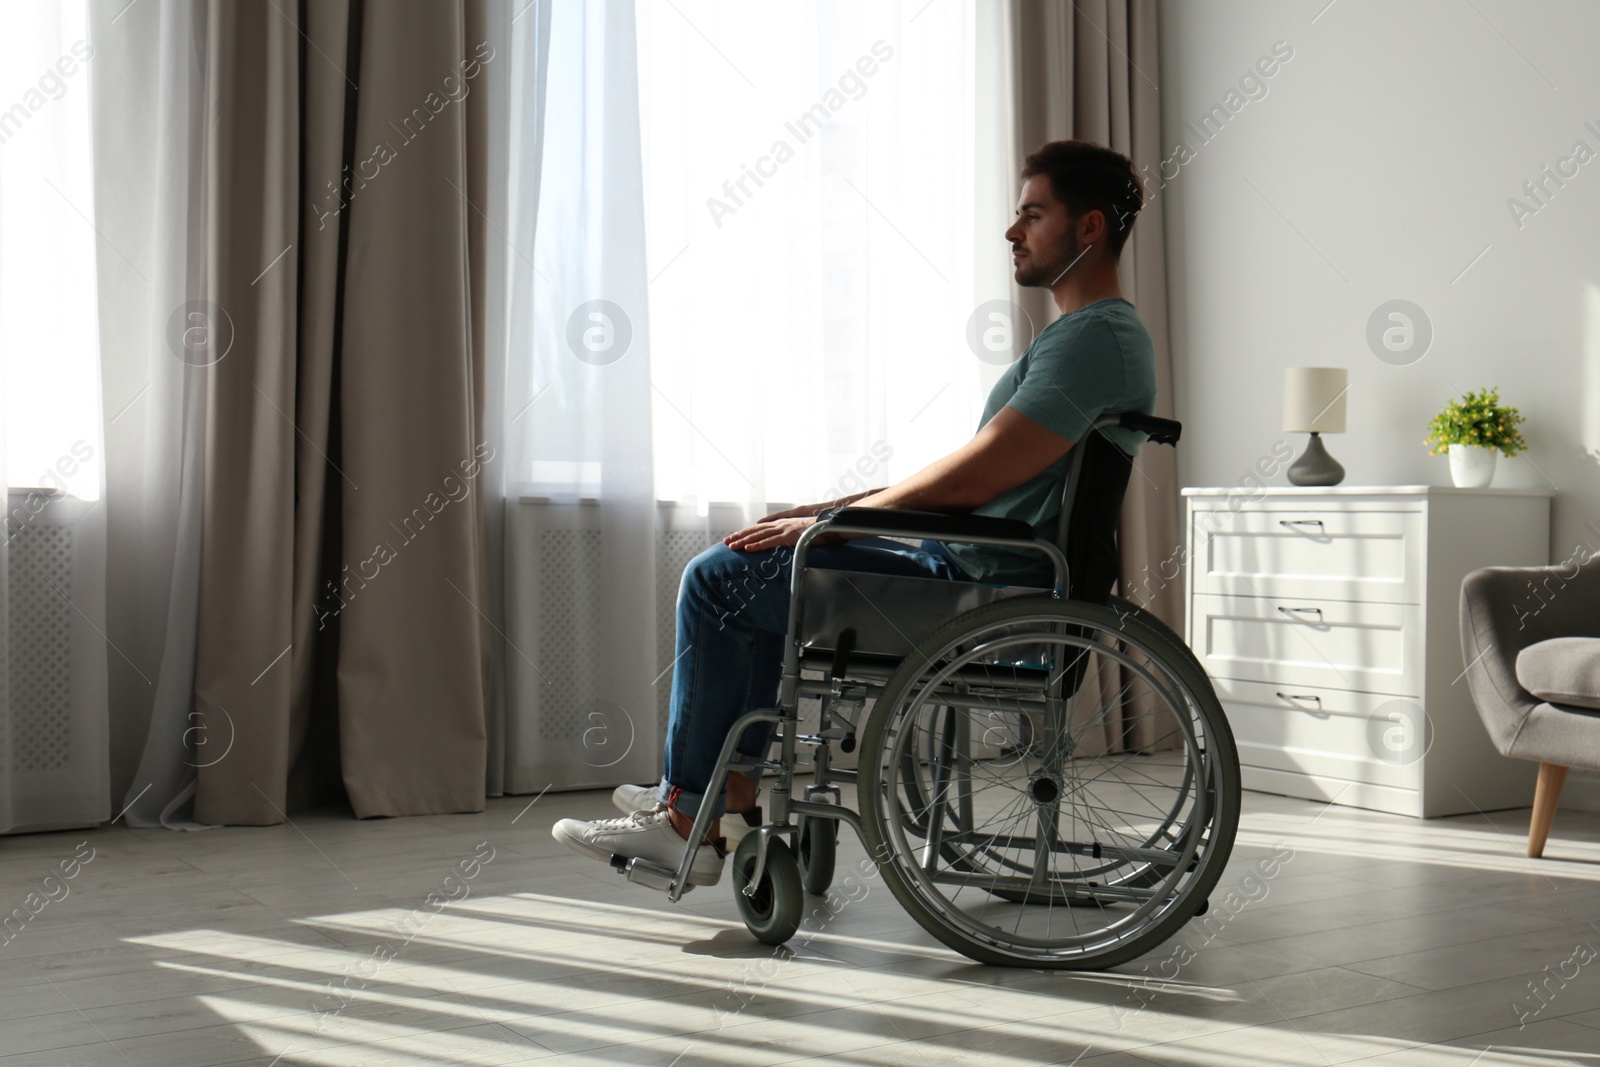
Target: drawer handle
{"x": 1299, "y": 522}
{"x": 1294, "y": 613}
{"x": 1292, "y": 697}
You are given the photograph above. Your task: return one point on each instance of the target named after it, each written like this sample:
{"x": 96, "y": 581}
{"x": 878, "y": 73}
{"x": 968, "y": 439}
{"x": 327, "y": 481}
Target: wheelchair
{"x": 1046, "y": 778}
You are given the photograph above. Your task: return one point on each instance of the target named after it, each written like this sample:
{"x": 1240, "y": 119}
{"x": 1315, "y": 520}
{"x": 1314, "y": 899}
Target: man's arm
{"x": 1007, "y": 451}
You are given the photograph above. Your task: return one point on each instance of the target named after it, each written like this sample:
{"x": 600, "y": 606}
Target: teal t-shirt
{"x": 1096, "y": 360}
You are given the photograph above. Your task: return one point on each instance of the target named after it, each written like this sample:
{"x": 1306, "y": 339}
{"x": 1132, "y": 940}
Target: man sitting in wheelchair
{"x": 1077, "y": 207}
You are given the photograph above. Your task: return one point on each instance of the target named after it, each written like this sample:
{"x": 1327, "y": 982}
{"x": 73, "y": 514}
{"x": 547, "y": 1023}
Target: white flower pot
{"x": 1472, "y": 466}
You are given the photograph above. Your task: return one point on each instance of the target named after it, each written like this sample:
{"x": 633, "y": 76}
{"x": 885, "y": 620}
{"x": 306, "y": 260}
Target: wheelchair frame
{"x": 867, "y": 679}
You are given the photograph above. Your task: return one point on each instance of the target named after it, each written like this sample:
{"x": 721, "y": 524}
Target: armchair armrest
{"x": 1503, "y": 611}
{"x": 1489, "y": 647}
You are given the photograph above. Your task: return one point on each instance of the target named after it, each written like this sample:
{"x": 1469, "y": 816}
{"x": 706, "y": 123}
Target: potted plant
{"x": 1472, "y": 430}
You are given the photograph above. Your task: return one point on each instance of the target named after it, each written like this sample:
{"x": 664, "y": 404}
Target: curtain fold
{"x": 513, "y": 104}
{"x": 247, "y": 557}
{"x": 334, "y": 433}
{"x": 149, "y": 149}
{"x": 1087, "y": 71}
{"x": 326, "y": 115}
{"x": 413, "y": 677}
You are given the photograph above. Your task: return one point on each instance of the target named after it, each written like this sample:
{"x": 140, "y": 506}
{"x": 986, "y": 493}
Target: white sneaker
{"x": 631, "y": 798}
{"x": 647, "y": 835}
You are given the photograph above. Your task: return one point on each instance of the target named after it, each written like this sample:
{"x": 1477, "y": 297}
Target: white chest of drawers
{"x": 1328, "y": 620}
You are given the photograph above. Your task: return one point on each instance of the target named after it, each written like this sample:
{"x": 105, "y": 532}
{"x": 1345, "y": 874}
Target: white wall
{"x": 1377, "y": 165}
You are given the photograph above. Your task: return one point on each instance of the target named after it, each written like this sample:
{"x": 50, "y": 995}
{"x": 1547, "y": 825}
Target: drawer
{"x": 1317, "y": 552}
{"x": 1349, "y": 736}
{"x": 1333, "y": 644}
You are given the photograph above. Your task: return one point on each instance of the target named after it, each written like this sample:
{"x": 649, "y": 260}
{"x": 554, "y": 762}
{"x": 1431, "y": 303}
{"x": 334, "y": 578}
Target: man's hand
{"x": 769, "y": 534}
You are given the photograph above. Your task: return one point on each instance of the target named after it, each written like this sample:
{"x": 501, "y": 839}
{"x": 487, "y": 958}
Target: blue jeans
{"x": 733, "y": 615}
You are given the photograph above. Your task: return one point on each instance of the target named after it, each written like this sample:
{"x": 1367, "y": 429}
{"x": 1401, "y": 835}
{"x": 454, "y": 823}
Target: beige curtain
{"x": 1089, "y": 70}
{"x": 343, "y": 562}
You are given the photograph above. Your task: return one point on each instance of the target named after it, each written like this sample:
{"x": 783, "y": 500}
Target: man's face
{"x": 1044, "y": 239}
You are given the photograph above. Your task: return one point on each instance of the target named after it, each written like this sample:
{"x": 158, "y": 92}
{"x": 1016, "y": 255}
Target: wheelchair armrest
{"x": 1161, "y": 431}
{"x": 935, "y": 524}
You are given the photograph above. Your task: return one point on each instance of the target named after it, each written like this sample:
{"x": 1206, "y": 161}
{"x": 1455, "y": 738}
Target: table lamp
{"x": 1313, "y": 402}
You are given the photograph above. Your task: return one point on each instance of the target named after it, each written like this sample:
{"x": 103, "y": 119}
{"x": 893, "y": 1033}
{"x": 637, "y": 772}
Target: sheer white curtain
{"x": 159, "y": 334}
{"x": 53, "y": 749}
{"x": 580, "y": 514}
{"x": 745, "y": 256}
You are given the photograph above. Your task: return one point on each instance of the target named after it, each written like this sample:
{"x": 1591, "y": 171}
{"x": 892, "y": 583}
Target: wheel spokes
{"x": 990, "y": 839}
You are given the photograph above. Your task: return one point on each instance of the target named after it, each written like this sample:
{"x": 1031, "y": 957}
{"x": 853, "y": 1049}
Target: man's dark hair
{"x": 1086, "y": 176}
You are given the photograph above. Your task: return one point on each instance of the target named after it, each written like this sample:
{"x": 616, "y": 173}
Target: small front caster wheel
{"x": 773, "y": 911}
{"x": 819, "y": 846}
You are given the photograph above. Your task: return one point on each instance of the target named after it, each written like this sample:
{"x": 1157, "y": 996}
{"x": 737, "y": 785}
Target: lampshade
{"x": 1313, "y": 399}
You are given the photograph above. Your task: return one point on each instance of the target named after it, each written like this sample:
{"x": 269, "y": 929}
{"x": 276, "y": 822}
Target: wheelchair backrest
{"x": 1091, "y": 507}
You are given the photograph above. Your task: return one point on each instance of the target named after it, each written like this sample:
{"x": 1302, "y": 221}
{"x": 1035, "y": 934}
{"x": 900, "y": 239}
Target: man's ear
{"x": 1092, "y": 227}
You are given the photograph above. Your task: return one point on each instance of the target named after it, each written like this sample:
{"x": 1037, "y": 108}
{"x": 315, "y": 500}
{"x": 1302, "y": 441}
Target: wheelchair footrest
{"x": 646, "y": 873}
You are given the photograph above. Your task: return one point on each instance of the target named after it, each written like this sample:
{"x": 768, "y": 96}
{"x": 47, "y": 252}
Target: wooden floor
{"x": 1383, "y": 940}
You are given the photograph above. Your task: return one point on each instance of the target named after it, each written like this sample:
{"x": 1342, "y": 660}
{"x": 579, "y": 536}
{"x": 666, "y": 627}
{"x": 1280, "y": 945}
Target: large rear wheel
{"x": 1093, "y": 836}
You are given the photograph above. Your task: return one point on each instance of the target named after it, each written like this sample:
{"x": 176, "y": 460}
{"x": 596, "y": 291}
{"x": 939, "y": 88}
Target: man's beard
{"x": 1030, "y": 272}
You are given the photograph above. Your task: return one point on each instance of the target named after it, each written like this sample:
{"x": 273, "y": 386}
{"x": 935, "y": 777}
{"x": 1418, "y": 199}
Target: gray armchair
{"x": 1530, "y": 638}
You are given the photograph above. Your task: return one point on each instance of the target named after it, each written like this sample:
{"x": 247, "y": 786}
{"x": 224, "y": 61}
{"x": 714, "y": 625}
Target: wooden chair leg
{"x": 1546, "y": 797}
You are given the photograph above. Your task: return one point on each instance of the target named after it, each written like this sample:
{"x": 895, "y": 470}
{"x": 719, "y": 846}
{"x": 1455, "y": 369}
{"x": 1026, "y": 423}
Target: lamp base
{"x": 1315, "y": 466}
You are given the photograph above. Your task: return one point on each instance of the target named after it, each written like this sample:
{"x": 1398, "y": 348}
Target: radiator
{"x": 53, "y": 746}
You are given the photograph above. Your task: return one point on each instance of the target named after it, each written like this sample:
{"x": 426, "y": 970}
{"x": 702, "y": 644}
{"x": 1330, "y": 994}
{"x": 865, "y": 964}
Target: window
{"x": 48, "y": 326}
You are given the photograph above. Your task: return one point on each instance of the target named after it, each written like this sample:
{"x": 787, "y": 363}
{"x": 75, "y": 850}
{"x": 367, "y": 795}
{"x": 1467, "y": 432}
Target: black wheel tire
{"x": 1174, "y": 641}
{"x": 773, "y": 912}
{"x": 819, "y": 849}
